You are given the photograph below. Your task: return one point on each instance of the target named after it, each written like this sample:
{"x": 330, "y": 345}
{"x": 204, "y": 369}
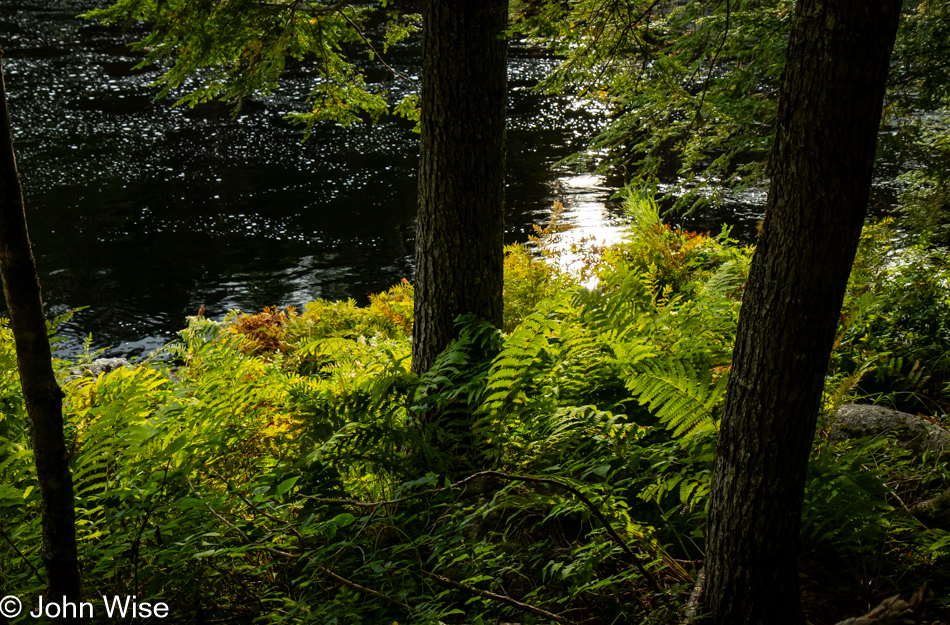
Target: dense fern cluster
{"x": 286, "y": 467}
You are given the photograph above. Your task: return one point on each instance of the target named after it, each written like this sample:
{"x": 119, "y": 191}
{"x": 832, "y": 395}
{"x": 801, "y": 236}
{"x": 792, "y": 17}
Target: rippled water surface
{"x": 144, "y": 212}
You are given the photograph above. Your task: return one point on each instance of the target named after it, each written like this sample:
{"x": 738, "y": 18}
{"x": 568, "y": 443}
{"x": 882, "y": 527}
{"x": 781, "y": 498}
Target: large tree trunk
{"x": 43, "y": 395}
{"x": 829, "y": 113}
{"x": 461, "y": 171}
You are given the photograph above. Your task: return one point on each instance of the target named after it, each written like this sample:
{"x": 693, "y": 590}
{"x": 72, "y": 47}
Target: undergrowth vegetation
{"x": 286, "y": 466}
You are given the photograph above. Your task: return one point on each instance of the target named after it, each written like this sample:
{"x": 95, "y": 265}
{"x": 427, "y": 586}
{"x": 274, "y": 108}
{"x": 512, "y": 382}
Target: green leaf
{"x": 176, "y": 445}
{"x": 343, "y": 520}
{"x": 286, "y": 485}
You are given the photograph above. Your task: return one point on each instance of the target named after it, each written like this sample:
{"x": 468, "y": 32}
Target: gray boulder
{"x": 934, "y": 512}
{"x": 96, "y": 367}
{"x": 914, "y": 433}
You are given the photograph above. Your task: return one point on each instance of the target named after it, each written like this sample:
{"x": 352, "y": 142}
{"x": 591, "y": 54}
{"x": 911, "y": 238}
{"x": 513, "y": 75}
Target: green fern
{"x": 844, "y": 504}
{"x": 685, "y": 398}
{"x": 523, "y": 352}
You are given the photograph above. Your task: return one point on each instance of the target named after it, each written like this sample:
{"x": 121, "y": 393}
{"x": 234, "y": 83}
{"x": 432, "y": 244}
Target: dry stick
{"x": 290, "y": 528}
{"x": 500, "y": 598}
{"x": 370, "y": 504}
{"x": 654, "y": 584}
{"x": 906, "y": 509}
{"x": 490, "y": 595}
{"x": 600, "y": 515}
{"x": 294, "y": 531}
{"x": 285, "y": 554}
{"x": 695, "y": 603}
{"x": 444, "y": 580}
{"x": 214, "y": 512}
{"x": 225, "y": 620}
{"x": 524, "y": 607}
{"x": 356, "y": 586}
{"x": 521, "y": 478}
{"x": 250, "y": 505}
{"x": 17, "y": 549}
{"x": 376, "y": 504}
{"x": 323, "y": 569}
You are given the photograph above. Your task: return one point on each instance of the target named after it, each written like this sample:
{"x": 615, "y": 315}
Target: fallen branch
{"x": 20, "y": 553}
{"x": 215, "y": 512}
{"x": 694, "y": 605}
{"x": 363, "y": 589}
{"x": 590, "y": 506}
{"x": 614, "y": 536}
{"x": 369, "y": 504}
{"x": 894, "y": 610}
{"x": 292, "y": 530}
{"x": 524, "y": 607}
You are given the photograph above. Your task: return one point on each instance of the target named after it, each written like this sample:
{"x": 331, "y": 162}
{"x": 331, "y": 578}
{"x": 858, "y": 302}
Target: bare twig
{"x": 590, "y": 506}
{"x": 712, "y": 66}
{"x": 906, "y": 509}
{"x": 370, "y": 46}
{"x": 138, "y": 537}
{"x": 363, "y": 589}
{"x": 323, "y": 569}
{"x": 621, "y": 38}
{"x": 215, "y": 513}
{"x": 271, "y": 517}
{"x": 654, "y": 584}
{"x": 278, "y": 552}
{"x": 524, "y": 607}
{"x": 370, "y": 504}
{"x": 20, "y": 553}
{"x": 262, "y": 512}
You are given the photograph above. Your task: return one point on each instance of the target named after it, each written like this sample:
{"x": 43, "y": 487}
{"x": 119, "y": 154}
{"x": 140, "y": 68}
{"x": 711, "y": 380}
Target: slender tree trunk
{"x": 829, "y": 112}
{"x": 461, "y": 171}
{"x": 43, "y": 396}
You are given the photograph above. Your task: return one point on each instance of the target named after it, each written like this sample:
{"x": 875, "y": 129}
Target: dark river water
{"x": 144, "y": 212}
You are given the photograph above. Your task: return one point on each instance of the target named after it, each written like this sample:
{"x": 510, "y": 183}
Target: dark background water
{"x": 144, "y": 212}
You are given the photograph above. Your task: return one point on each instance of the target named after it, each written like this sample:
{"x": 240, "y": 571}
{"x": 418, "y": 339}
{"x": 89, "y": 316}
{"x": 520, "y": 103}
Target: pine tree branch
{"x": 295, "y": 6}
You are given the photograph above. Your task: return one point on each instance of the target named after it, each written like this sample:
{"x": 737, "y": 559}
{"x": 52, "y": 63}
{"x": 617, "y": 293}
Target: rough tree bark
{"x": 830, "y": 106}
{"x": 21, "y": 288}
{"x": 461, "y": 171}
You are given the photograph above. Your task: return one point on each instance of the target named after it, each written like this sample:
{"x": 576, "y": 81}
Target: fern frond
{"x": 514, "y": 366}
{"x": 680, "y": 395}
